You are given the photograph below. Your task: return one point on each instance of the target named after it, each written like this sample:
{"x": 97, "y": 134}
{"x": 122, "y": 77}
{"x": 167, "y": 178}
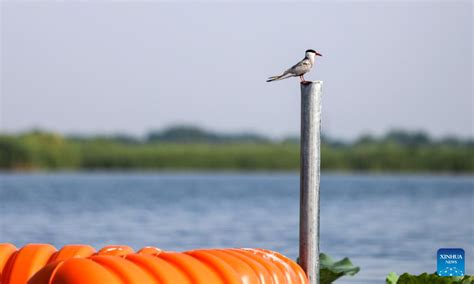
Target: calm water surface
{"x": 383, "y": 223}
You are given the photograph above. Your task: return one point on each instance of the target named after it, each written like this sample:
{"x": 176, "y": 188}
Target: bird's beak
{"x": 318, "y": 54}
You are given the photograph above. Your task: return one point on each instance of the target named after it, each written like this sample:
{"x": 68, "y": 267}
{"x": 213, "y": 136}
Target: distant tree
{"x": 365, "y": 139}
{"x": 244, "y": 138}
{"x": 182, "y": 134}
{"x": 407, "y": 138}
{"x": 12, "y": 153}
{"x": 118, "y": 138}
{"x": 337, "y": 143}
{"x": 191, "y": 134}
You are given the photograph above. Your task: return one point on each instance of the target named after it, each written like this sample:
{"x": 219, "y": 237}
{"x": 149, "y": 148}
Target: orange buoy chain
{"x": 43, "y": 264}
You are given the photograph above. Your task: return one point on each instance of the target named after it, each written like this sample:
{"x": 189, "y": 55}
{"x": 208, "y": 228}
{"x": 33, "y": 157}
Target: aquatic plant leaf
{"x": 392, "y": 278}
{"x": 426, "y": 278}
{"x": 331, "y": 270}
{"x": 467, "y": 280}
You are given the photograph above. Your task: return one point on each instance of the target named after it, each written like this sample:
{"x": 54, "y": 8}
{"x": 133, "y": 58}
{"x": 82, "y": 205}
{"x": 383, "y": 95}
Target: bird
{"x": 300, "y": 68}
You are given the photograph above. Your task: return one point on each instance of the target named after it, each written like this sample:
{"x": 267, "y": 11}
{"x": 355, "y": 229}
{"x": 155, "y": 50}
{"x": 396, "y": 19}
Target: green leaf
{"x": 331, "y": 270}
{"x": 467, "y": 280}
{"x": 392, "y": 278}
{"x": 426, "y": 278}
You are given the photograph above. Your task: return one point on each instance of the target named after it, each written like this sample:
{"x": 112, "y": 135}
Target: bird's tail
{"x": 279, "y": 77}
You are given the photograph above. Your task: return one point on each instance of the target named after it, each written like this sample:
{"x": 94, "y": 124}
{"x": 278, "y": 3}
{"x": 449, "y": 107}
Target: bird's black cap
{"x": 315, "y": 52}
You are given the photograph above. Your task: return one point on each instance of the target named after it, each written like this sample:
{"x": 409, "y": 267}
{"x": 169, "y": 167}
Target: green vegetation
{"x": 184, "y": 148}
{"x": 426, "y": 278}
{"x": 331, "y": 270}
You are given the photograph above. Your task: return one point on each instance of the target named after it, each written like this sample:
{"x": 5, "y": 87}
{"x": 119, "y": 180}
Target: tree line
{"x": 191, "y": 148}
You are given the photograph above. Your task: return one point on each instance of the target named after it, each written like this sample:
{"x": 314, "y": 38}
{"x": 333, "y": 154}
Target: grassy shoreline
{"x": 52, "y": 152}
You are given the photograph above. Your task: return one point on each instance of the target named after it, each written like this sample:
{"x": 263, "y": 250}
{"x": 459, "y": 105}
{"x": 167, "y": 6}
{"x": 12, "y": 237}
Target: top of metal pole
{"x": 308, "y": 83}
{"x": 313, "y": 82}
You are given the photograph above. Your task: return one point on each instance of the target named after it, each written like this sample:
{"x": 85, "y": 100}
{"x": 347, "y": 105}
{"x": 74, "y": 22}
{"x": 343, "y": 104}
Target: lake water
{"x": 383, "y": 223}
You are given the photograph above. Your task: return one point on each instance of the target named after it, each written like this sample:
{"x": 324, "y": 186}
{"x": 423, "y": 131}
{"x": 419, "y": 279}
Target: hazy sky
{"x": 93, "y": 67}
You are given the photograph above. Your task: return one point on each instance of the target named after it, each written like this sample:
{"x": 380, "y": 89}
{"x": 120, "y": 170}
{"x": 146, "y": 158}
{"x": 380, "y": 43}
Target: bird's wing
{"x": 301, "y": 67}
{"x": 304, "y": 62}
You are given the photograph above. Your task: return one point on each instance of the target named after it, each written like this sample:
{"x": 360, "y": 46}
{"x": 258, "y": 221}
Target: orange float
{"x": 6, "y": 250}
{"x": 25, "y": 262}
{"x": 74, "y": 264}
{"x": 71, "y": 251}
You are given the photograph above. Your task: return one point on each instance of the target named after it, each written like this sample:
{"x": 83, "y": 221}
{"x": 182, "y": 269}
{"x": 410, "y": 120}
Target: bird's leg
{"x": 304, "y": 80}
{"x": 301, "y": 78}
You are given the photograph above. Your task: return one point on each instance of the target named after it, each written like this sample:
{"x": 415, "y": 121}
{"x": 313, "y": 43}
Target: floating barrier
{"x": 74, "y": 264}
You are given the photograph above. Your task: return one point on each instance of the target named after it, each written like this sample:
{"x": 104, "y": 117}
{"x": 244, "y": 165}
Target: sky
{"x": 107, "y": 67}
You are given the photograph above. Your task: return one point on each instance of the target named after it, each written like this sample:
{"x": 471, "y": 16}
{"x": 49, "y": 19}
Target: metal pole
{"x": 310, "y": 157}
